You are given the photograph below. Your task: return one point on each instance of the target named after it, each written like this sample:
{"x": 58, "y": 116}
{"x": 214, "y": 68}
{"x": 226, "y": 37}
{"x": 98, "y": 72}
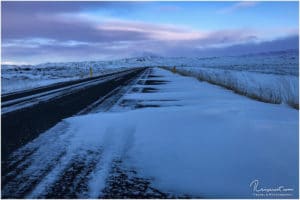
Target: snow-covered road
{"x": 164, "y": 135}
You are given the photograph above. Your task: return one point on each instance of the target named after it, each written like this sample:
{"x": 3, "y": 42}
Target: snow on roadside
{"x": 265, "y": 87}
{"x": 214, "y": 144}
{"x": 203, "y": 154}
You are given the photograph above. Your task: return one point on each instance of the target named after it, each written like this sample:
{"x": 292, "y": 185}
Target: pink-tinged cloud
{"x": 55, "y": 51}
{"x": 53, "y": 34}
{"x": 152, "y": 31}
{"x": 62, "y": 27}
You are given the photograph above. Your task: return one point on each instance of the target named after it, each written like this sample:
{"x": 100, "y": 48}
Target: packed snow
{"x": 189, "y": 137}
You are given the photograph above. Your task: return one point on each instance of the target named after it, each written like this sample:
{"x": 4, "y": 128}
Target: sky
{"x": 38, "y": 32}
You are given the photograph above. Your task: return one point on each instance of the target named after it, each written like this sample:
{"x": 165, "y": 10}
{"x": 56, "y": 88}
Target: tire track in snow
{"x": 42, "y": 155}
{"x": 24, "y": 183}
{"x": 126, "y": 183}
{"x": 72, "y": 183}
{"x": 54, "y": 166}
{"x": 123, "y": 181}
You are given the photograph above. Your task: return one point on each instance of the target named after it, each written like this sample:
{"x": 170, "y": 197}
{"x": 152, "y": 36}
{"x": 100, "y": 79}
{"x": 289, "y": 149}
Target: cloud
{"x": 47, "y": 32}
{"x": 57, "y": 51}
{"x": 280, "y": 44}
{"x": 152, "y": 31}
{"x": 237, "y": 6}
{"x": 33, "y": 7}
{"x": 61, "y": 52}
{"x": 71, "y": 27}
{"x": 19, "y": 26}
{"x": 115, "y": 38}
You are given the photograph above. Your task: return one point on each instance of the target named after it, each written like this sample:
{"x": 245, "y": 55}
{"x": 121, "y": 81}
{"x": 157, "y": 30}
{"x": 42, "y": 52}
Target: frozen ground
{"x": 186, "y": 137}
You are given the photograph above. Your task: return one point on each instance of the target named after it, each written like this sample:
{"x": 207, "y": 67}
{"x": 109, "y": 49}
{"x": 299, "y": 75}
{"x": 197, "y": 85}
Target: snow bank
{"x": 264, "y": 87}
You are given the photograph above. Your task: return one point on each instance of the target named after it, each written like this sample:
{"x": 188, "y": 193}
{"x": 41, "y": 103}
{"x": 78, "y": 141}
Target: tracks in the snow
{"x": 55, "y": 166}
{"x": 73, "y": 182}
{"x": 44, "y": 168}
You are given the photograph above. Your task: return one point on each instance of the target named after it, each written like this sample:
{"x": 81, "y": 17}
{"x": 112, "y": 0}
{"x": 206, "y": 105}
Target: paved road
{"x": 26, "y": 114}
{"x": 45, "y": 168}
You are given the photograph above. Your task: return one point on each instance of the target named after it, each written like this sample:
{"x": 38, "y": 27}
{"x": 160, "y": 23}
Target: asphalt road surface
{"x": 26, "y": 114}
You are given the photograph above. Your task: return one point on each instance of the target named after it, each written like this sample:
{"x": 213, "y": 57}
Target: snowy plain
{"x": 274, "y": 72}
{"x": 17, "y": 78}
{"x": 201, "y": 140}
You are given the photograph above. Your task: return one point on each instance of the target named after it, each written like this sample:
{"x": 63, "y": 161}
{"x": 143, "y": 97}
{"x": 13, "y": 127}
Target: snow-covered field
{"x": 278, "y": 62}
{"x": 270, "y": 77}
{"x": 271, "y": 88}
{"x": 188, "y": 137}
{"x": 15, "y": 78}
{"x": 282, "y": 85}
